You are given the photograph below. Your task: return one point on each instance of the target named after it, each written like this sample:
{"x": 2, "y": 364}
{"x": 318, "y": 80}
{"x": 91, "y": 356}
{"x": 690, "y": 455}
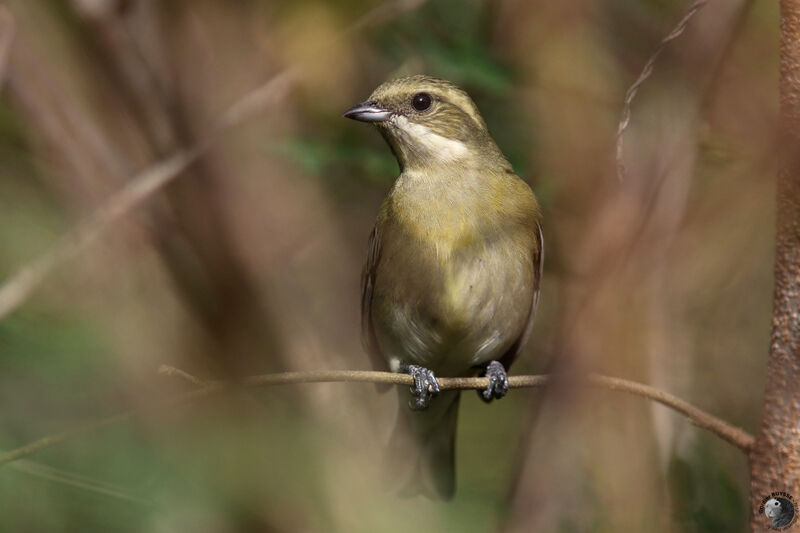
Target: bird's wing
{"x": 367, "y": 284}
{"x": 538, "y": 263}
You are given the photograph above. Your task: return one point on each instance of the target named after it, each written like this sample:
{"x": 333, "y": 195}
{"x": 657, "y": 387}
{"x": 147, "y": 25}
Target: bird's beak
{"x": 368, "y": 112}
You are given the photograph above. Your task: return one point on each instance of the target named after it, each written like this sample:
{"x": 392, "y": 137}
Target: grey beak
{"x": 368, "y": 112}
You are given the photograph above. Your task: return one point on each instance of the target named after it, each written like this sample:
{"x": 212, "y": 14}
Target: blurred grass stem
{"x": 647, "y": 71}
{"x": 18, "y": 288}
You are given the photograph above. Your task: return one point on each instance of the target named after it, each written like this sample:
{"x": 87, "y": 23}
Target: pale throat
{"x": 431, "y": 147}
{"x": 439, "y": 194}
{"x": 444, "y": 208}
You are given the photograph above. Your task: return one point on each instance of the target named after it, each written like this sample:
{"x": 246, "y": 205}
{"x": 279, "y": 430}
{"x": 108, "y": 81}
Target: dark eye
{"x": 421, "y": 101}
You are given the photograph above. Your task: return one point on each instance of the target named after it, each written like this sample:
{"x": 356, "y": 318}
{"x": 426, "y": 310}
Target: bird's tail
{"x": 422, "y": 447}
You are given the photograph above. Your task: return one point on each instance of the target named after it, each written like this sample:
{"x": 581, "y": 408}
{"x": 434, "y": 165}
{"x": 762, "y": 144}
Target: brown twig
{"x": 647, "y": 71}
{"x": 734, "y": 435}
{"x": 775, "y": 457}
{"x": 728, "y": 432}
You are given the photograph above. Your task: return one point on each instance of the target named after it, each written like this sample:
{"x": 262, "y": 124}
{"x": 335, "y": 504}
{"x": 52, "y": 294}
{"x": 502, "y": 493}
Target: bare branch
{"x": 775, "y": 457}
{"x": 728, "y": 432}
{"x": 696, "y": 416}
{"x": 625, "y": 116}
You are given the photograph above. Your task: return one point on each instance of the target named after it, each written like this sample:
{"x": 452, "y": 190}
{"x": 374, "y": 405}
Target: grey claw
{"x": 498, "y": 382}
{"x": 425, "y": 387}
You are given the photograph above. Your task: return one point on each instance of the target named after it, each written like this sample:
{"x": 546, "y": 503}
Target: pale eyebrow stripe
{"x": 468, "y": 110}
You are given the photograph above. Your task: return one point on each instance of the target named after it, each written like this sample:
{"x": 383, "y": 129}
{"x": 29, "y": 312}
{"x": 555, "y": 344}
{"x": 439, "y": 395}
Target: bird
{"x": 451, "y": 280}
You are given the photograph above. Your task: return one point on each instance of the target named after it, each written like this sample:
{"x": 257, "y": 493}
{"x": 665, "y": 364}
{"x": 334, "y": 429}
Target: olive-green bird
{"x": 451, "y": 280}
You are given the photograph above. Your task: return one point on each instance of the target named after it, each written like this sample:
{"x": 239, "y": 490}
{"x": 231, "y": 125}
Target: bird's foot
{"x": 425, "y": 387}
{"x": 498, "y": 382}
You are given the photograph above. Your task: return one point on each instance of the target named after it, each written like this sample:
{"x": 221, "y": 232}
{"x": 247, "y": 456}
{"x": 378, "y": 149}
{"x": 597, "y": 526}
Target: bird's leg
{"x": 425, "y": 387}
{"x": 498, "y": 382}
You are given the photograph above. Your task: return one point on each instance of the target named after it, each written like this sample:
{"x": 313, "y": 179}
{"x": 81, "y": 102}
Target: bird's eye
{"x": 421, "y": 101}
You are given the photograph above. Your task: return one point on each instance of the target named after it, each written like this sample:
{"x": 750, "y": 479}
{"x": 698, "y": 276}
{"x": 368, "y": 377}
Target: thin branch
{"x": 728, "y": 432}
{"x": 625, "y": 116}
{"x": 734, "y": 435}
{"x": 18, "y": 288}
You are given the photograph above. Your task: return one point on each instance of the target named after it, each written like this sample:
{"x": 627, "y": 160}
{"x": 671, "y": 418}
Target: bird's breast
{"x": 451, "y": 300}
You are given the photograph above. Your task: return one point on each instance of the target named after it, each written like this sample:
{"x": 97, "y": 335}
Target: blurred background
{"x": 249, "y": 261}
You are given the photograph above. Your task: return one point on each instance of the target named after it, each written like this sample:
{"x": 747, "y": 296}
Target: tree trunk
{"x": 775, "y": 459}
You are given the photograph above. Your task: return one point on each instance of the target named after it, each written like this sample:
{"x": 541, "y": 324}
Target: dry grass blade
{"x": 58, "y": 475}
{"x": 18, "y": 288}
{"x": 630, "y": 95}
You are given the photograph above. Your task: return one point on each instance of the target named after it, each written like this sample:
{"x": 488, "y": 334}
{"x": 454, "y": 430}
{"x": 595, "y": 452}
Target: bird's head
{"x": 429, "y": 122}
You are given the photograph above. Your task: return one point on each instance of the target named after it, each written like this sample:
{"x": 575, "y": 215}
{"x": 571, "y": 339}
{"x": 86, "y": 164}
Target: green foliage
{"x": 449, "y": 40}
